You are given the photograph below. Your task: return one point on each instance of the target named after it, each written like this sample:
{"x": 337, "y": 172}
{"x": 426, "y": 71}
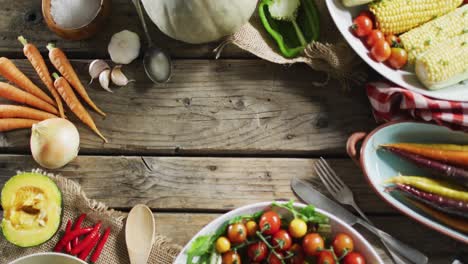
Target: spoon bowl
{"x": 139, "y": 234}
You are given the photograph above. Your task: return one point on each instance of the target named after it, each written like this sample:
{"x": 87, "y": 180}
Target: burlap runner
{"x": 75, "y": 202}
{"x": 331, "y": 54}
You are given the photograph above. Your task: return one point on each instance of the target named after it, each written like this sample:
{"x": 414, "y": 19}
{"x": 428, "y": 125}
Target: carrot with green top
{"x": 37, "y": 61}
{"x": 17, "y": 111}
{"x": 72, "y": 101}
{"x": 433, "y": 186}
{"x": 453, "y": 154}
{"x": 8, "y": 124}
{"x": 9, "y": 70}
{"x": 63, "y": 65}
{"x": 12, "y": 93}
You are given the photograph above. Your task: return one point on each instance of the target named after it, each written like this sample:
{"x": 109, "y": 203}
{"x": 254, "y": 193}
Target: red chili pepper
{"x": 68, "y": 237}
{"x": 77, "y": 226}
{"x": 85, "y": 253}
{"x": 100, "y": 246}
{"x": 87, "y": 240}
{"x": 67, "y": 230}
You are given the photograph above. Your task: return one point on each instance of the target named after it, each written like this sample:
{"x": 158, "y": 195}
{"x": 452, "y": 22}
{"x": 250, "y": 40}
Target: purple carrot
{"x": 449, "y": 172}
{"x": 446, "y": 205}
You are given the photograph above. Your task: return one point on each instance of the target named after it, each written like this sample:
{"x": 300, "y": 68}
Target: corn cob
{"x": 417, "y": 40}
{"x": 398, "y": 16}
{"x": 444, "y": 64}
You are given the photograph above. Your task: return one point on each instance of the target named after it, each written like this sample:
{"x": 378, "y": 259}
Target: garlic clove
{"x": 118, "y": 77}
{"x": 96, "y": 67}
{"x": 104, "y": 80}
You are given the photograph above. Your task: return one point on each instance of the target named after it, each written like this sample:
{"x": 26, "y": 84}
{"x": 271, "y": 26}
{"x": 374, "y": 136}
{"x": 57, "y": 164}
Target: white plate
{"x": 338, "y": 226}
{"x": 48, "y": 258}
{"x": 406, "y": 78}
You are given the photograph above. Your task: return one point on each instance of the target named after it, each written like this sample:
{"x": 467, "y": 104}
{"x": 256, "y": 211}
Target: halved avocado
{"x": 32, "y": 205}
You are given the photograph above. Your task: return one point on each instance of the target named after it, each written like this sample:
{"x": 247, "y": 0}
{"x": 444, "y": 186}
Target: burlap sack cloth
{"x": 331, "y": 54}
{"x": 75, "y": 202}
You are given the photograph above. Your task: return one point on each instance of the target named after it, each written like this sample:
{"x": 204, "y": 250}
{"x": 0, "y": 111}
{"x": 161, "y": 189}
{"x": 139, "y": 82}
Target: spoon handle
{"x": 142, "y": 19}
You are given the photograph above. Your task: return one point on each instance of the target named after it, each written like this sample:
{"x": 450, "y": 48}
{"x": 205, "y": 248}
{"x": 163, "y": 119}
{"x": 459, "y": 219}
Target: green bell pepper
{"x": 292, "y": 36}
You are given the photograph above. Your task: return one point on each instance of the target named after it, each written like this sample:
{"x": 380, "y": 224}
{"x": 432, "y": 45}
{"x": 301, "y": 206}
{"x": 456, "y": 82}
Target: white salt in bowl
{"x": 81, "y": 32}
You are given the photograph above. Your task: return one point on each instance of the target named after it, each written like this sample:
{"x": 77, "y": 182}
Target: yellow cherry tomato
{"x": 251, "y": 228}
{"x": 297, "y": 228}
{"x": 223, "y": 245}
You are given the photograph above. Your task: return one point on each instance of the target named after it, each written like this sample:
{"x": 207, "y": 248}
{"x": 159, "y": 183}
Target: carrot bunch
{"x": 16, "y": 117}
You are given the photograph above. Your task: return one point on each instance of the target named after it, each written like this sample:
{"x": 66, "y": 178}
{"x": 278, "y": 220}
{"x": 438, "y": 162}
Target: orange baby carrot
{"x": 8, "y": 124}
{"x": 17, "y": 111}
{"x": 37, "y": 61}
{"x": 72, "y": 101}
{"x": 12, "y": 93}
{"x": 63, "y": 65}
{"x": 9, "y": 70}
{"x": 447, "y": 153}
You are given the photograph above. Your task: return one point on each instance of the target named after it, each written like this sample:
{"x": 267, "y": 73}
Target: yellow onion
{"x": 54, "y": 142}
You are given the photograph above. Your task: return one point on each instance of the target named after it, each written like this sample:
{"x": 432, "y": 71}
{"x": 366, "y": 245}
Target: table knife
{"x": 307, "y": 193}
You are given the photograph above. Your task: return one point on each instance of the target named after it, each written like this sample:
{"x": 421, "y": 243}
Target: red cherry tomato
{"x": 312, "y": 244}
{"x": 270, "y": 223}
{"x": 298, "y": 257}
{"x": 257, "y": 252}
{"x": 231, "y": 257}
{"x": 237, "y": 233}
{"x": 381, "y": 51}
{"x": 282, "y": 241}
{"x": 354, "y": 258}
{"x": 393, "y": 40}
{"x": 273, "y": 259}
{"x": 342, "y": 243}
{"x": 325, "y": 257}
{"x": 362, "y": 26}
{"x": 398, "y": 58}
{"x": 367, "y": 13}
{"x": 374, "y": 37}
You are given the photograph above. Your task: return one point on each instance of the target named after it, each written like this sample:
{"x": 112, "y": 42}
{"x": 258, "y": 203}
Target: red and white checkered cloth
{"x": 390, "y": 102}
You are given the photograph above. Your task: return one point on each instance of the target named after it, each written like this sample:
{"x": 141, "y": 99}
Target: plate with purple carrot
{"x": 421, "y": 170}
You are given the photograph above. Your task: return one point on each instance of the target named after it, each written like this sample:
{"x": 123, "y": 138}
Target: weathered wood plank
{"x": 176, "y": 183}
{"x": 182, "y": 226}
{"x": 218, "y": 107}
{"x": 25, "y": 17}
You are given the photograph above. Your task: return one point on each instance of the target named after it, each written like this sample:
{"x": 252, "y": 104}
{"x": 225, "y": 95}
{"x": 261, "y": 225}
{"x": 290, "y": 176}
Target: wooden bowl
{"x": 82, "y": 32}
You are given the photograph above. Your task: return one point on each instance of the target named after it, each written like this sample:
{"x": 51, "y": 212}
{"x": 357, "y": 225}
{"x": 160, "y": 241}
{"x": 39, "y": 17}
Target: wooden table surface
{"x": 221, "y": 134}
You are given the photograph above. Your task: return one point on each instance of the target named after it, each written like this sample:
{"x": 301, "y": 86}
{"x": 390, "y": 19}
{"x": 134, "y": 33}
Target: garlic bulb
{"x": 118, "y": 77}
{"x": 124, "y": 47}
{"x": 104, "y": 80}
{"x": 96, "y": 67}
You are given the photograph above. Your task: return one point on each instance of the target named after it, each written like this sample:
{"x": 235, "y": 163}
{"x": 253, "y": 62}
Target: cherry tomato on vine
{"x": 231, "y": 257}
{"x": 273, "y": 259}
{"x": 398, "y": 58}
{"x": 362, "y": 26}
{"x": 312, "y": 244}
{"x": 237, "y": 233}
{"x": 223, "y": 245}
{"x": 354, "y": 258}
{"x": 381, "y": 51}
{"x": 325, "y": 257}
{"x": 282, "y": 241}
{"x": 252, "y": 228}
{"x": 374, "y": 37}
{"x": 297, "y": 228}
{"x": 393, "y": 40}
{"x": 270, "y": 223}
{"x": 342, "y": 243}
{"x": 257, "y": 252}
{"x": 298, "y": 257}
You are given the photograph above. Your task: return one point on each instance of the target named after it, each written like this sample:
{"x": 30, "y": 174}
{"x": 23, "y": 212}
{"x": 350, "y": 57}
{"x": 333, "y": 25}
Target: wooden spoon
{"x": 139, "y": 234}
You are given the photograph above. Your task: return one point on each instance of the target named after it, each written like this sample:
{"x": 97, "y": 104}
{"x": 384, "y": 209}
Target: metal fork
{"x": 343, "y": 194}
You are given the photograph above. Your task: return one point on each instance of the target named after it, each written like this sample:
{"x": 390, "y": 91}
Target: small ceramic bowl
{"x": 379, "y": 166}
{"x": 82, "y": 32}
{"x": 338, "y": 226}
{"x": 48, "y": 258}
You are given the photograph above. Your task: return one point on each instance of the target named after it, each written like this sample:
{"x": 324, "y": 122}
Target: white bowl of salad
{"x": 278, "y": 233}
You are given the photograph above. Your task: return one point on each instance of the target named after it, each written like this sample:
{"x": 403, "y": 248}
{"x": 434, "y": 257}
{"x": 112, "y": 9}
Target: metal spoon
{"x": 157, "y": 62}
{"x": 139, "y": 234}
